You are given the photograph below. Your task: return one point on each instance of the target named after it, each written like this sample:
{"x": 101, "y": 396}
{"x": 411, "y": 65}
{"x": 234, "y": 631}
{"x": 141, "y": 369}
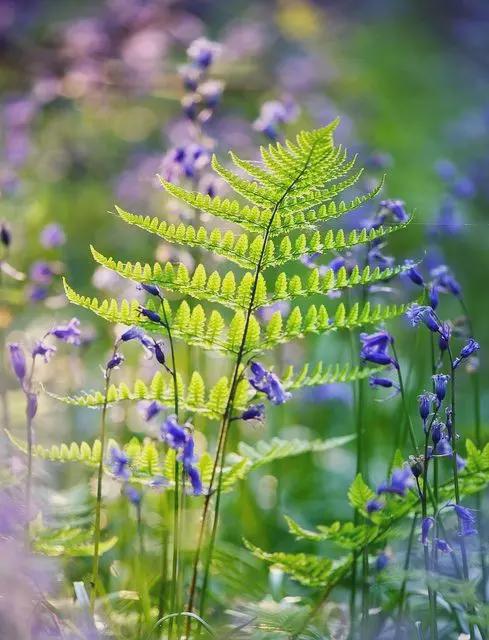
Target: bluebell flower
{"x": 133, "y": 495}
{"x": 444, "y": 281}
{"x": 443, "y": 546}
{"x": 433, "y": 296}
{"x": 152, "y": 409}
{"x": 41, "y": 272}
{"x": 444, "y": 337}
{"x": 443, "y": 448}
{"x": 426, "y": 525}
{"x": 268, "y": 383}
{"x": 31, "y": 408}
{"x": 466, "y": 519}
{"x": 210, "y": 93}
{"x": 17, "y": 360}
{"x": 119, "y": 463}
{"x": 254, "y": 412}
{"x": 373, "y": 506}
{"x": 203, "y": 52}
{"x": 188, "y": 456}
{"x": 396, "y": 208}
{"x": 115, "y": 362}
{"x": 377, "y": 381}
{"x": 152, "y": 289}
{"x": 401, "y": 480}
{"x": 412, "y": 273}
{"x": 382, "y": 561}
{"x": 190, "y": 75}
{"x": 440, "y": 384}
{"x": 195, "y": 480}
{"x": 425, "y": 401}
{"x": 151, "y": 315}
{"x": 376, "y": 258}
{"x": 336, "y": 264}
{"x": 274, "y": 113}
{"x": 133, "y": 333}
{"x": 159, "y": 353}
{"x": 422, "y": 314}
{"x": 5, "y": 235}
{"x": 437, "y": 432}
{"x": 69, "y": 333}
{"x": 52, "y": 236}
{"x": 173, "y": 433}
{"x": 43, "y": 350}
{"x": 470, "y": 347}
{"x": 375, "y": 348}
{"x": 464, "y": 188}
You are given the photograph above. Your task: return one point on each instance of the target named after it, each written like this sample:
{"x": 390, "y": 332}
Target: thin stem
{"x": 176, "y": 501}
{"x": 98, "y": 503}
{"x": 164, "y": 556}
{"x": 407, "y": 561}
{"x": 224, "y": 429}
{"x": 404, "y": 403}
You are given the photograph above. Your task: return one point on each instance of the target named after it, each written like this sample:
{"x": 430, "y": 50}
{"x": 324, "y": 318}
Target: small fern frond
{"x": 344, "y": 534}
{"x": 194, "y": 396}
{"x": 320, "y": 374}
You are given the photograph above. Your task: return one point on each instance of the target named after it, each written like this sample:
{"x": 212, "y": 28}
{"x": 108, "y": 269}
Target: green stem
{"x": 98, "y": 503}
{"x": 404, "y": 404}
{"x": 407, "y": 561}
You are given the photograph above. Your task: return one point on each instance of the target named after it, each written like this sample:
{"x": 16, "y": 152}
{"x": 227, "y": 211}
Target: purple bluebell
{"x": 394, "y": 207}
{"x": 195, "y": 480}
{"x": 188, "y": 456}
{"x": 52, "y": 236}
{"x": 274, "y": 113}
{"x": 466, "y": 519}
{"x": 211, "y": 92}
{"x": 41, "y": 272}
{"x": 43, "y": 350}
{"x": 470, "y": 347}
{"x": 375, "y": 348}
{"x": 401, "y": 480}
{"x": 437, "y": 429}
{"x": 422, "y": 314}
{"x": 159, "y": 353}
{"x": 433, "y": 296}
{"x": 444, "y": 281}
{"x": 173, "y": 433}
{"x": 152, "y": 289}
{"x": 190, "y": 75}
{"x": 17, "y": 360}
{"x": 376, "y": 258}
{"x": 443, "y": 448}
{"x": 444, "y": 337}
{"x": 152, "y": 409}
{"x": 412, "y": 273}
{"x": 69, "y": 333}
{"x": 440, "y": 384}
{"x": 32, "y": 404}
{"x": 268, "y": 383}
{"x": 336, "y": 264}
{"x": 417, "y": 466}
{"x": 376, "y": 381}
{"x": 133, "y": 333}
{"x": 151, "y": 315}
{"x": 443, "y": 546}
{"x": 382, "y": 561}
{"x": 5, "y": 235}
{"x": 203, "y": 52}
{"x": 373, "y": 506}
{"x": 426, "y": 525}
{"x": 425, "y": 401}
{"x": 133, "y": 495}
{"x": 115, "y": 361}
{"x": 119, "y": 463}
{"x": 254, "y": 412}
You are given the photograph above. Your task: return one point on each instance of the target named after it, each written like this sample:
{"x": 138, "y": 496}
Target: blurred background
{"x": 91, "y": 110}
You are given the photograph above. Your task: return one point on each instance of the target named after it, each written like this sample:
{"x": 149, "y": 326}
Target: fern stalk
{"x": 221, "y": 450}
{"x": 100, "y": 474}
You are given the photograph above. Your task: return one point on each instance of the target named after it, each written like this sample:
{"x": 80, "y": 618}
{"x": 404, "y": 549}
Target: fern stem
{"x": 224, "y": 430}
{"x": 100, "y": 474}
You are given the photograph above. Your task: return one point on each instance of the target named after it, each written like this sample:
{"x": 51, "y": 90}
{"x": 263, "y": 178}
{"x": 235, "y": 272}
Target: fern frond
{"x": 345, "y": 535}
{"x": 307, "y": 569}
{"x": 324, "y": 374}
{"x": 250, "y": 218}
{"x": 240, "y": 249}
{"x": 293, "y": 249}
{"x": 193, "y": 397}
{"x": 317, "y": 320}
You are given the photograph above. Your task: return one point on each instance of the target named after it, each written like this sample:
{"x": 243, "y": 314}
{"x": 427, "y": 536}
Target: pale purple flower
{"x": 52, "y": 236}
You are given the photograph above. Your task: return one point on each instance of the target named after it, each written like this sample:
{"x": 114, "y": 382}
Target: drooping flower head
{"x": 43, "y": 350}
{"x": 69, "y": 333}
{"x": 412, "y": 273}
{"x": 418, "y": 314}
{"x": 254, "y": 412}
{"x": 466, "y": 519}
{"x": 119, "y": 463}
{"x": 173, "y": 433}
{"x": 470, "y": 347}
{"x": 373, "y": 506}
{"x": 401, "y": 480}
{"x": 115, "y": 361}
{"x": 394, "y": 208}
{"x": 268, "y": 383}
{"x": 375, "y": 348}
{"x": 440, "y": 384}
{"x": 426, "y": 525}
{"x": 17, "y": 360}
{"x": 425, "y": 401}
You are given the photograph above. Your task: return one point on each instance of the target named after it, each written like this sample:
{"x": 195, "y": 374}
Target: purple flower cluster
{"x": 180, "y": 438}
{"x": 274, "y": 114}
{"x": 268, "y": 383}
